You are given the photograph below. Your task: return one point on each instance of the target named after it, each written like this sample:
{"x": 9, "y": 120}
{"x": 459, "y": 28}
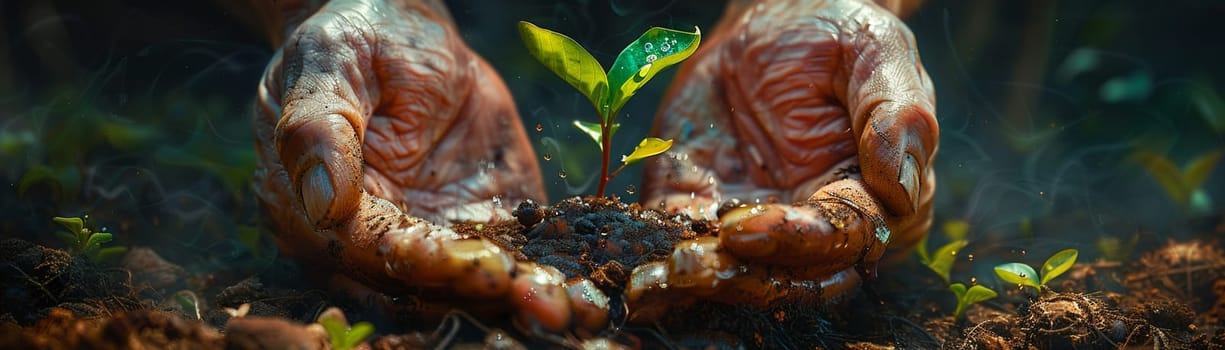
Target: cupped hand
{"x": 376, "y": 127}
{"x": 808, "y": 129}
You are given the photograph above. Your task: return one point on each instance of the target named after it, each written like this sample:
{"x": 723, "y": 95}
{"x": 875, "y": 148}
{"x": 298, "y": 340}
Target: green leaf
{"x": 1166, "y": 173}
{"x": 97, "y": 239}
{"x": 1018, "y": 273}
{"x": 959, "y": 289}
{"x": 1197, "y": 171}
{"x": 978, "y": 294}
{"x": 336, "y": 331}
{"x": 1132, "y": 87}
{"x": 942, "y": 261}
{"x": 592, "y": 130}
{"x": 647, "y": 147}
{"x": 568, "y": 60}
{"x": 74, "y": 225}
{"x": 358, "y": 333}
{"x": 1057, "y": 264}
{"x": 654, "y": 51}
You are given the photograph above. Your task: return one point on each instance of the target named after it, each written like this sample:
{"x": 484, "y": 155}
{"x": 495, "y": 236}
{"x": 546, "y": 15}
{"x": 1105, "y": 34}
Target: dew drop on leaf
{"x": 648, "y": 47}
{"x": 651, "y": 58}
{"x": 665, "y": 47}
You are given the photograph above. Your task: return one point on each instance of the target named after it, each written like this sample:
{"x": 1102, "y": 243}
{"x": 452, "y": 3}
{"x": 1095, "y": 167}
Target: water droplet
{"x": 561, "y": 174}
{"x": 954, "y": 253}
{"x": 539, "y": 127}
{"x": 665, "y": 47}
{"x": 712, "y": 125}
{"x": 651, "y": 58}
{"x": 630, "y": 189}
{"x": 692, "y": 195}
{"x": 663, "y": 285}
{"x": 970, "y": 257}
{"x": 1021, "y": 274}
{"x": 1041, "y": 193}
{"x": 973, "y": 280}
{"x": 497, "y": 201}
{"x": 648, "y": 47}
{"x": 548, "y": 156}
{"x": 1022, "y": 252}
{"x": 739, "y": 228}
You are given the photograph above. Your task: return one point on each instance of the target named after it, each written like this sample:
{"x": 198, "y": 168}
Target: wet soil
{"x": 1170, "y": 297}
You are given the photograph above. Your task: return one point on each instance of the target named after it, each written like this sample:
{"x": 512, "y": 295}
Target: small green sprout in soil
{"x": 190, "y": 304}
{"x": 971, "y": 296}
{"x": 340, "y": 335}
{"x": 654, "y": 51}
{"x": 83, "y": 241}
{"x": 942, "y": 261}
{"x": 1023, "y": 275}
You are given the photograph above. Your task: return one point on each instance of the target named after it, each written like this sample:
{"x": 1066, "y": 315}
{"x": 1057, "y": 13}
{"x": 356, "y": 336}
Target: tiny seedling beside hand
{"x": 654, "y": 51}
{"x": 1024, "y": 275}
{"x": 85, "y": 242}
{"x": 340, "y": 335}
{"x": 941, "y": 262}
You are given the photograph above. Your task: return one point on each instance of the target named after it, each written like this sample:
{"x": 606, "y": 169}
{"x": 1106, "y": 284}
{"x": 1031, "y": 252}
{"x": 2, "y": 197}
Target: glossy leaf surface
{"x": 569, "y": 60}
{"x": 647, "y": 147}
{"x": 654, "y": 51}
{"x": 1058, "y": 263}
{"x": 1018, "y": 273}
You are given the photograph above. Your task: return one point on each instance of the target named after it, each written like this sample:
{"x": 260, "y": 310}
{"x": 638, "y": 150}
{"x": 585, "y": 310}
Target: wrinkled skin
{"x": 377, "y": 126}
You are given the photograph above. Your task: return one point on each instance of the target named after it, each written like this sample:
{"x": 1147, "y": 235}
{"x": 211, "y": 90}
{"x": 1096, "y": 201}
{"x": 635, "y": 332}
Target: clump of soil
{"x": 37, "y": 278}
{"x": 598, "y": 238}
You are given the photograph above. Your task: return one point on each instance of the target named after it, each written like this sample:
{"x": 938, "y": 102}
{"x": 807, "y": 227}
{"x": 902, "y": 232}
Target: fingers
{"x": 892, "y": 106}
{"x": 698, "y": 269}
{"x": 318, "y": 93}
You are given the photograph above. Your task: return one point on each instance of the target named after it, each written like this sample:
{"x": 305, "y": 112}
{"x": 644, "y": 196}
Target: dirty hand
{"x": 819, "y": 118}
{"x": 376, "y": 126}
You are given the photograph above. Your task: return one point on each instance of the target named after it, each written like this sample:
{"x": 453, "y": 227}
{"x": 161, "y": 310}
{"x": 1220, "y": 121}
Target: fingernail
{"x": 317, "y": 193}
{"x": 909, "y": 178}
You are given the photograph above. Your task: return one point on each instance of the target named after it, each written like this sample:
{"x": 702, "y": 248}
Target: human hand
{"x": 819, "y": 118}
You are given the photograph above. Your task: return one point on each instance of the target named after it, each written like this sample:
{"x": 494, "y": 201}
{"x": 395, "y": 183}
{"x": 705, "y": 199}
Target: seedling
{"x": 654, "y": 51}
{"x": 85, "y": 242}
{"x": 1023, "y": 275}
{"x": 967, "y": 297}
{"x": 942, "y": 261}
{"x": 340, "y": 335}
{"x": 1185, "y": 186}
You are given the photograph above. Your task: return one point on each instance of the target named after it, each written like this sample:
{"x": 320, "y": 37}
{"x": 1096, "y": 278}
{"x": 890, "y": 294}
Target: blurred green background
{"x": 1064, "y": 124}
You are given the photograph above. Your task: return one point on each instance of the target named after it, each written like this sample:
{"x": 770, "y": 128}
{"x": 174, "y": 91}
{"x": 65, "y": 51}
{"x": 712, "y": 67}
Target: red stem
{"x": 606, "y": 147}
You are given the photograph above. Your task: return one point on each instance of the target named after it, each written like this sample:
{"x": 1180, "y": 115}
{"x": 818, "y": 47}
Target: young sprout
{"x": 967, "y": 297}
{"x": 340, "y": 335}
{"x": 654, "y": 51}
{"x": 1023, "y": 275}
{"x": 942, "y": 261}
{"x": 86, "y": 242}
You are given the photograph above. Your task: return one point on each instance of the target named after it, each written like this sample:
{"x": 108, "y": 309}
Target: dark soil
{"x": 1172, "y": 297}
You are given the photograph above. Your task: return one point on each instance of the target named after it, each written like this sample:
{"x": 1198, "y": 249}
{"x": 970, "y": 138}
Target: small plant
{"x": 85, "y": 242}
{"x": 654, "y": 51}
{"x": 941, "y": 262}
{"x": 340, "y": 335}
{"x": 971, "y": 296}
{"x": 1023, "y": 275}
{"x": 189, "y": 303}
{"x": 1184, "y": 186}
